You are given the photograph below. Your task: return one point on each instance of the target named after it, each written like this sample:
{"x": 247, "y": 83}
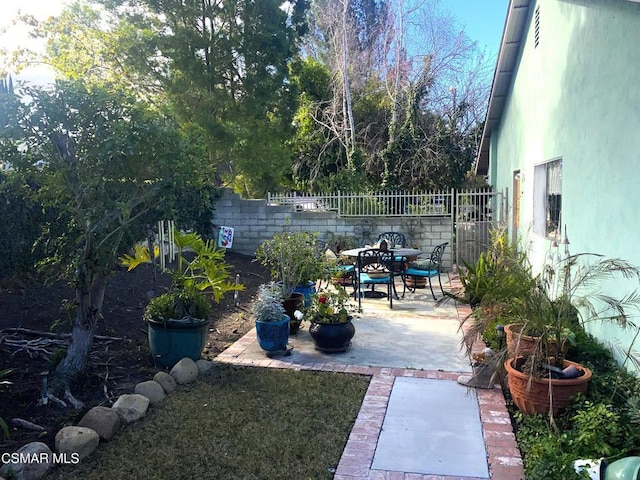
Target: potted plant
{"x": 297, "y": 261}
{"x": 178, "y": 320}
{"x": 541, "y": 313}
{"x": 563, "y": 298}
{"x": 272, "y": 323}
{"x": 330, "y": 315}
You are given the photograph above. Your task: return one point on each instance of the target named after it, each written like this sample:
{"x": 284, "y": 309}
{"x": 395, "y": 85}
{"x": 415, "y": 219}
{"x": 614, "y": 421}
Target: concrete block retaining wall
{"x": 254, "y": 221}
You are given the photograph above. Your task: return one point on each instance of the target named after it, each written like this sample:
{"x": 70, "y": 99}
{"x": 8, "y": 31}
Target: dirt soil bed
{"x": 116, "y": 363}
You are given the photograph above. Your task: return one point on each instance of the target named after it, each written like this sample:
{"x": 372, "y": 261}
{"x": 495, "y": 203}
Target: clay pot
{"x": 519, "y": 344}
{"x": 532, "y": 394}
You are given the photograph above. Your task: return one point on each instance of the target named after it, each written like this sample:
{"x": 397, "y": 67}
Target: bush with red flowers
{"x": 331, "y": 306}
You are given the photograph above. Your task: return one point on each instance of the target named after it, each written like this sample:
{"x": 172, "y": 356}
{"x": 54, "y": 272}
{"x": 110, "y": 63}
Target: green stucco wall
{"x": 577, "y": 96}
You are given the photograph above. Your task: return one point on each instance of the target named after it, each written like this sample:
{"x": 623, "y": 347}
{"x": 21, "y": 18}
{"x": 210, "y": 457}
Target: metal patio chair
{"x": 374, "y": 267}
{"x": 393, "y": 239}
{"x": 433, "y": 268}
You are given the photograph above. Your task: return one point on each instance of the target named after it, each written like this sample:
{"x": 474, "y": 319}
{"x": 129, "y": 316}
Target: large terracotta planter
{"x": 519, "y": 344}
{"x": 533, "y": 395}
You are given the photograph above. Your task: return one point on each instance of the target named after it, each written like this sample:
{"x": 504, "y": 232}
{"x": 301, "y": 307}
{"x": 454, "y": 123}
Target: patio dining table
{"x": 398, "y": 252}
{"x": 401, "y": 254}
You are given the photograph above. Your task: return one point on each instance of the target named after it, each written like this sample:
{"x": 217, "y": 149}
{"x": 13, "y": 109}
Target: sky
{"x": 483, "y": 21}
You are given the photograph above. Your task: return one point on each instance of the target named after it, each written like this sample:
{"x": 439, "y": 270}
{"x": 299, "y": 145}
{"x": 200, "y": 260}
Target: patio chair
{"x": 336, "y": 270}
{"x": 393, "y": 239}
{"x": 374, "y": 267}
{"x": 432, "y": 268}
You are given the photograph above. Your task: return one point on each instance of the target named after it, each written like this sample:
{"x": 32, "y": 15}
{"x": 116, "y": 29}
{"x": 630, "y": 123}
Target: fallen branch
{"x": 29, "y": 331}
{"x": 19, "y": 422}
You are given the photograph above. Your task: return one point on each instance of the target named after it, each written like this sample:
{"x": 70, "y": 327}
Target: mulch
{"x": 120, "y": 357}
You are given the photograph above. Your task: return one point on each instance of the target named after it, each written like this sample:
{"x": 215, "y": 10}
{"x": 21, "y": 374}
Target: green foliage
{"x": 176, "y": 305}
{"x": 268, "y": 305}
{"x": 295, "y": 258}
{"x": 604, "y": 424}
{"x": 102, "y": 164}
{"x": 330, "y": 306}
{"x": 205, "y": 272}
{"x": 20, "y": 224}
{"x": 597, "y": 428}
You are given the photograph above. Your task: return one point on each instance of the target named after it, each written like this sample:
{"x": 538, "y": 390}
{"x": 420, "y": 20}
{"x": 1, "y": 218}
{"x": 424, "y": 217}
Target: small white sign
{"x": 225, "y": 237}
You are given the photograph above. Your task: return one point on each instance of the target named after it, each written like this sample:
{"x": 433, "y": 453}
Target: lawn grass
{"x": 237, "y": 423}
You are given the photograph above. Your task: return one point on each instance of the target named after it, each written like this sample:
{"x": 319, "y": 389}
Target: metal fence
{"x": 383, "y": 203}
{"x": 475, "y": 212}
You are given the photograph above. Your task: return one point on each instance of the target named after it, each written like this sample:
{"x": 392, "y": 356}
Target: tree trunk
{"x": 350, "y": 134}
{"x": 90, "y": 287}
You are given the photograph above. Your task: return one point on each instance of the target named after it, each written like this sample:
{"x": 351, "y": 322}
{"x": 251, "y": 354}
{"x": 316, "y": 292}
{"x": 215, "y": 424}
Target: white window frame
{"x": 547, "y": 198}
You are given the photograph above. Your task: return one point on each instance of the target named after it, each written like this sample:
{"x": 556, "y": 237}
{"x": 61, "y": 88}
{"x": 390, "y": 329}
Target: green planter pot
{"x": 173, "y": 340}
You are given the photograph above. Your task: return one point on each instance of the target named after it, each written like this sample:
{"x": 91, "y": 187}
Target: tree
{"x": 416, "y": 103}
{"x": 221, "y": 64}
{"x": 107, "y": 166}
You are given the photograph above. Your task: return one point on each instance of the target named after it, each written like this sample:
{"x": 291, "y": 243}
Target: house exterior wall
{"x": 577, "y": 97}
{"x": 254, "y": 221}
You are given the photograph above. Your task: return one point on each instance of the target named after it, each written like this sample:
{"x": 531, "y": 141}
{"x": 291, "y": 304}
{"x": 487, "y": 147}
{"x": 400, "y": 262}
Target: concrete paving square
{"x": 432, "y": 427}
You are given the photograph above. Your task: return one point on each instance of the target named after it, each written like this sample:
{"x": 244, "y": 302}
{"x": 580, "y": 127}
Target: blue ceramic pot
{"x": 273, "y": 336}
{"x": 306, "y": 290}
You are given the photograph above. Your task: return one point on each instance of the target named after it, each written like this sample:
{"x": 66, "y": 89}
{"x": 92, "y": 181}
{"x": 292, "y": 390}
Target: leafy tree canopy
{"x": 106, "y": 166}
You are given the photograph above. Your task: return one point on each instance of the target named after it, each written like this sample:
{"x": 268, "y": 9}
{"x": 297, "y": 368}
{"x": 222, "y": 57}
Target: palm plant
{"x": 567, "y": 294}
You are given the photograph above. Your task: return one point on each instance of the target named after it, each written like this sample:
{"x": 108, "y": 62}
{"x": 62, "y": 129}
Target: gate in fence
{"x": 477, "y": 213}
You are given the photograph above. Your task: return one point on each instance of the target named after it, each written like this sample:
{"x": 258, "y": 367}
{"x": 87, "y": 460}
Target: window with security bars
{"x": 547, "y": 198}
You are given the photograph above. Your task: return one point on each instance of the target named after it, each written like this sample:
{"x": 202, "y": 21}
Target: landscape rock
{"x": 166, "y": 381}
{"x": 29, "y": 470}
{"x": 105, "y": 421}
{"x": 185, "y": 371}
{"x": 152, "y": 390}
{"x": 131, "y": 407}
{"x": 204, "y": 366}
{"x": 80, "y": 440}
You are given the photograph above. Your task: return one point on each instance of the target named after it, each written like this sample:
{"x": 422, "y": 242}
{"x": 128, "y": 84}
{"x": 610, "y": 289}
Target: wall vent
{"x": 536, "y": 40}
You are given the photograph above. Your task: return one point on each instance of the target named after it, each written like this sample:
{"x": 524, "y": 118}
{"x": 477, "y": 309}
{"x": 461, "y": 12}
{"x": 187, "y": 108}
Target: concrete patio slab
{"x": 432, "y": 427}
{"x": 397, "y": 342}
{"x": 417, "y": 333}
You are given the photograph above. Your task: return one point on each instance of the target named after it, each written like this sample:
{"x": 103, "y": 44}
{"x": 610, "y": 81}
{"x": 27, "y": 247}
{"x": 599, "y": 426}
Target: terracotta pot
{"x": 343, "y": 280}
{"x": 519, "y": 344}
{"x": 416, "y": 282}
{"x": 532, "y": 395}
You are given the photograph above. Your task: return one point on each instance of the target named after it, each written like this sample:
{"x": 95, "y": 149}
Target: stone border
{"x": 74, "y": 443}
